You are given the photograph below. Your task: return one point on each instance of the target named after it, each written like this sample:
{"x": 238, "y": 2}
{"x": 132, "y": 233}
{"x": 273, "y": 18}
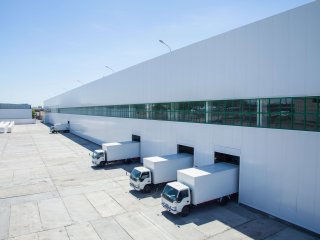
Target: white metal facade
{"x": 275, "y": 57}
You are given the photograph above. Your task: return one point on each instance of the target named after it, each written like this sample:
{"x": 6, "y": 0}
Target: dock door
{"x": 137, "y": 138}
{"x": 185, "y": 149}
{"x": 228, "y": 158}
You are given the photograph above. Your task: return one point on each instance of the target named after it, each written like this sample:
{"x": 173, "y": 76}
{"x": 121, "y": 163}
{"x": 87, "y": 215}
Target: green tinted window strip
{"x": 191, "y": 112}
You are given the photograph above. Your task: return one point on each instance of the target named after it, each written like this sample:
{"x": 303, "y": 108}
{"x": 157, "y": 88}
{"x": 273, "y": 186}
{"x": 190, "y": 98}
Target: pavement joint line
{"x": 39, "y": 215}
{"x": 65, "y": 228}
{"x": 24, "y": 195}
{"x": 118, "y": 202}
{"x": 92, "y": 204}
{"x": 122, "y": 227}
{"x": 8, "y": 231}
{"x": 95, "y": 230}
{"x": 169, "y": 237}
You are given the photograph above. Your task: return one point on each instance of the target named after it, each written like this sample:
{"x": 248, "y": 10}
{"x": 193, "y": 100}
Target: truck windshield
{"x": 97, "y": 155}
{"x": 170, "y": 193}
{"x": 135, "y": 174}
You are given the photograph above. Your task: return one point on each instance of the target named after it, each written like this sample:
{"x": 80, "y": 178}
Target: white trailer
{"x": 60, "y": 127}
{"x": 195, "y": 186}
{"x": 4, "y": 127}
{"x": 159, "y": 169}
{"x": 117, "y": 151}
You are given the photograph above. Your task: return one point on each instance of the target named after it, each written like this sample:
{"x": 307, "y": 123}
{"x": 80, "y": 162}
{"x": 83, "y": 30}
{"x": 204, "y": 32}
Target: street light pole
{"x": 165, "y": 45}
{"x": 80, "y": 82}
{"x": 110, "y": 68}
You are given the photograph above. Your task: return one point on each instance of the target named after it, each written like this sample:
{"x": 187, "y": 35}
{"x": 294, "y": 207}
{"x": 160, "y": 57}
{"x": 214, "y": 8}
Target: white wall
{"x": 20, "y": 121}
{"x": 278, "y": 56}
{"x": 275, "y": 57}
{"x": 15, "y": 114}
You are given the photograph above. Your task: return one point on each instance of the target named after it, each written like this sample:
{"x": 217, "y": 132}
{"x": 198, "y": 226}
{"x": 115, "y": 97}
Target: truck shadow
{"x": 81, "y": 141}
{"x": 125, "y": 166}
{"x": 209, "y": 217}
{"x": 199, "y": 215}
{"x": 155, "y": 193}
{"x": 243, "y": 221}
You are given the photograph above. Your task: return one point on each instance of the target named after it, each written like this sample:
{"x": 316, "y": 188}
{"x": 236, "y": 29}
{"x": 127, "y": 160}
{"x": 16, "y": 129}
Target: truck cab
{"x": 59, "y": 127}
{"x": 98, "y": 157}
{"x": 140, "y": 179}
{"x": 176, "y": 198}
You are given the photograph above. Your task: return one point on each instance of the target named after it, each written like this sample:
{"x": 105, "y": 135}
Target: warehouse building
{"x": 19, "y": 113}
{"x": 250, "y": 96}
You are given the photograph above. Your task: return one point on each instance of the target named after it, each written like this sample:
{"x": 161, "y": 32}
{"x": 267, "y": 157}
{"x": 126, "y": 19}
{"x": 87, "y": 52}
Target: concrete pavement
{"x": 49, "y": 191}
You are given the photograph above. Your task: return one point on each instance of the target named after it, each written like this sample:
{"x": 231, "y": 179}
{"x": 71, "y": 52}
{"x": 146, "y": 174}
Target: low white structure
{"x": 251, "y": 94}
{"x": 19, "y": 113}
{"x": 6, "y": 127}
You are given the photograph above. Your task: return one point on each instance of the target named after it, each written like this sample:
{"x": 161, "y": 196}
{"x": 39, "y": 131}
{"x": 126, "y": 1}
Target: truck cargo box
{"x": 121, "y": 150}
{"x": 210, "y": 182}
{"x": 164, "y": 168}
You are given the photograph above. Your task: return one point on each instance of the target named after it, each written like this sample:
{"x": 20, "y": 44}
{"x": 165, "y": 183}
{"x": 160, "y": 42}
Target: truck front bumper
{"x": 95, "y": 162}
{"x": 168, "y": 208}
{"x": 135, "y": 186}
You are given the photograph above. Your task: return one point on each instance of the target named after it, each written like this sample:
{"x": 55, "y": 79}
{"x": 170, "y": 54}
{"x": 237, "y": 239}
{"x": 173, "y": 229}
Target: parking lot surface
{"x": 49, "y": 191}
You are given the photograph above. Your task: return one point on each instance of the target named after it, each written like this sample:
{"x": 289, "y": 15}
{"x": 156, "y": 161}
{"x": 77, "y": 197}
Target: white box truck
{"x": 195, "y": 186}
{"x": 159, "y": 169}
{"x": 59, "y": 127}
{"x": 117, "y": 151}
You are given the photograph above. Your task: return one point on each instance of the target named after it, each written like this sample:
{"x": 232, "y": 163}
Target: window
{"x": 286, "y": 113}
{"x": 144, "y": 176}
{"x": 297, "y": 113}
{"x": 249, "y": 112}
{"x": 216, "y": 111}
{"x": 139, "y": 111}
{"x": 159, "y": 111}
{"x": 182, "y": 195}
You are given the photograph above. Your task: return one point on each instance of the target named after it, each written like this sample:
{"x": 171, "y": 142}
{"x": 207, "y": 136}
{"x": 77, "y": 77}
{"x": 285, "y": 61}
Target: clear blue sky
{"x": 46, "y": 47}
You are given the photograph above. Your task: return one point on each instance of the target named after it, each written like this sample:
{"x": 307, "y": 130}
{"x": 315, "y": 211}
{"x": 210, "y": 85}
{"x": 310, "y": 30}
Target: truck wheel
{"x": 223, "y": 201}
{"x": 147, "y": 188}
{"x": 185, "y": 211}
{"x": 102, "y": 164}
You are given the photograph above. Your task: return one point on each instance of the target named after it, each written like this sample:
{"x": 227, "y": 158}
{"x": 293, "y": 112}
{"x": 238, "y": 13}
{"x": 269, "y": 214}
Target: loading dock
{"x": 185, "y": 149}
{"x": 228, "y": 158}
{"x": 136, "y": 138}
